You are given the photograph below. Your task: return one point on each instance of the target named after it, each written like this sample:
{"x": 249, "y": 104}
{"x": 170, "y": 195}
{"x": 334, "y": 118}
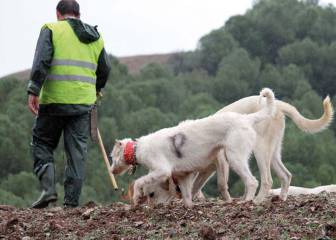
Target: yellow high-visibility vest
{"x": 72, "y": 76}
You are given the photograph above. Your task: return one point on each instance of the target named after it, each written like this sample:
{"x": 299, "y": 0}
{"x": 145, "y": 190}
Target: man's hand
{"x": 99, "y": 95}
{"x": 33, "y": 103}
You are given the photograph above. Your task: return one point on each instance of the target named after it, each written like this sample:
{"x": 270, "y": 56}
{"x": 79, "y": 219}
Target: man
{"x": 70, "y": 67}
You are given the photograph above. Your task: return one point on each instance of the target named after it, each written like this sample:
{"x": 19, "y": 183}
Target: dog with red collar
{"x": 193, "y": 146}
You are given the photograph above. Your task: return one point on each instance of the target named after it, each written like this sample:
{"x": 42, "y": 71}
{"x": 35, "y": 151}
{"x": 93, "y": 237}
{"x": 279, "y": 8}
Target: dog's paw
{"x": 226, "y": 197}
{"x": 283, "y": 196}
{"x": 188, "y": 203}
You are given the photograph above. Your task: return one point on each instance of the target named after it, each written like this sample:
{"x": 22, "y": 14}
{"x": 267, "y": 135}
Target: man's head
{"x": 67, "y": 8}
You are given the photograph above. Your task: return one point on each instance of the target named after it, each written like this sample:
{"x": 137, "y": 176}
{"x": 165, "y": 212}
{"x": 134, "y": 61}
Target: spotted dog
{"x": 203, "y": 139}
{"x": 267, "y": 150}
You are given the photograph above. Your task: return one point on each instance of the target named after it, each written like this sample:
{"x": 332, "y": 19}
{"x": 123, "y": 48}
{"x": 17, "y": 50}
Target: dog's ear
{"x": 125, "y": 197}
{"x": 130, "y": 191}
{"x": 165, "y": 185}
{"x": 128, "y": 196}
{"x": 118, "y": 142}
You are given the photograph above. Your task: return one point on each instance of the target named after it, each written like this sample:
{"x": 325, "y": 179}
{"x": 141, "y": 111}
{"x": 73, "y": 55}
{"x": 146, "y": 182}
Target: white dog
{"x": 268, "y": 145}
{"x": 267, "y": 150}
{"x": 269, "y": 139}
{"x": 166, "y": 192}
{"x": 295, "y": 191}
{"x": 193, "y": 146}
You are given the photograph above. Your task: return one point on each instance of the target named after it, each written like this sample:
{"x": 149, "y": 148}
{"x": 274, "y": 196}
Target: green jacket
{"x": 43, "y": 61}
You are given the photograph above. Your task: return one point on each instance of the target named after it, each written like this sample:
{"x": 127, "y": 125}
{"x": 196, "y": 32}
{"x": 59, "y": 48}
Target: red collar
{"x": 129, "y": 153}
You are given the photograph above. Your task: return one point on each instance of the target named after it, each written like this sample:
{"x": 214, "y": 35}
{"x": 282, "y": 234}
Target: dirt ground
{"x": 303, "y": 217}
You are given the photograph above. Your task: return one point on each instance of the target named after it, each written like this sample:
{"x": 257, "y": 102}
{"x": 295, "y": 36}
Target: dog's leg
{"x": 185, "y": 185}
{"x": 238, "y": 148}
{"x": 282, "y": 172}
{"x": 202, "y": 178}
{"x": 223, "y": 175}
{"x": 160, "y": 175}
{"x": 199, "y": 196}
{"x": 238, "y": 161}
{"x": 262, "y": 153}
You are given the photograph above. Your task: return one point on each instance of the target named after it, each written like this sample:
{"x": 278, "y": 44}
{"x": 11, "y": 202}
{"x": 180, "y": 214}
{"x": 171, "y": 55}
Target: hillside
{"x": 308, "y": 217}
{"x": 21, "y": 75}
{"x": 133, "y": 63}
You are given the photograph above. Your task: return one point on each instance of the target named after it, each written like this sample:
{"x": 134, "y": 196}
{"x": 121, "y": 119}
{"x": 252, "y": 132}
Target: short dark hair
{"x": 68, "y": 7}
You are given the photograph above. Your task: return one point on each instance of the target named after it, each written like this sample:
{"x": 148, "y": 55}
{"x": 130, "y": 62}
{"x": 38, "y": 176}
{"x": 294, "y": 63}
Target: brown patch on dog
{"x": 128, "y": 196}
{"x": 165, "y": 185}
{"x": 178, "y": 141}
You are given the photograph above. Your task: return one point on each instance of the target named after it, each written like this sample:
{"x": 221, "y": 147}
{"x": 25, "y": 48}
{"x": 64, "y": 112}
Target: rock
{"x": 127, "y": 207}
{"x": 90, "y": 204}
{"x": 208, "y": 233}
{"x": 138, "y": 223}
{"x": 330, "y": 230}
{"x": 7, "y": 208}
{"x": 11, "y": 222}
{"x": 5, "y": 226}
{"x": 54, "y": 226}
{"x": 275, "y": 199}
{"x": 55, "y": 209}
{"x": 114, "y": 237}
{"x": 172, "y": 233}
{"x": 87, "y": 213}
{"x": 2, "y": 229}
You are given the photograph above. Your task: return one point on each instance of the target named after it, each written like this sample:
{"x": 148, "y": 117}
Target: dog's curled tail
{"x": 270, "y": 100}
{"x": 268, "y": 110}
{"x": 305, "y": 124}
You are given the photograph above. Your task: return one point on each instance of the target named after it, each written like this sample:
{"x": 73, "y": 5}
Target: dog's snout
{"x": 151, "y": 195}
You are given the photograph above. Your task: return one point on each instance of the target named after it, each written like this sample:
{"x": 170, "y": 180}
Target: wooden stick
{"x": 102, "y": 148}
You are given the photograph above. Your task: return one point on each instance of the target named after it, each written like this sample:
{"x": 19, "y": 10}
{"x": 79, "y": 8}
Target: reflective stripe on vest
{"x": 76, "y": 63}
{"x": 54, "y": 77}
{"x": 72, "y": 76}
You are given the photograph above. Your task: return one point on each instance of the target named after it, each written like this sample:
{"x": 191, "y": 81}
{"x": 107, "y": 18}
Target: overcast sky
{"x": 129, "y": 27}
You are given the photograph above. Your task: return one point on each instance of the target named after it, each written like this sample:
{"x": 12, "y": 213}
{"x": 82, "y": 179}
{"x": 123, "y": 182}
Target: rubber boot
{"x": 72, "y": 191}
{"x": 48, "y": 194}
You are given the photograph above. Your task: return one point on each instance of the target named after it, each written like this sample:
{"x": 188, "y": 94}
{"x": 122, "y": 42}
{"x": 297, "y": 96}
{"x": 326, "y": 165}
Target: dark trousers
{"x": 47, "y": 130}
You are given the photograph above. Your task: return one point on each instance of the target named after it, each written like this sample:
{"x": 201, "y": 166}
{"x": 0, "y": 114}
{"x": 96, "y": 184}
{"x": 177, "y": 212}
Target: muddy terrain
{"x": 304, "y": 217}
